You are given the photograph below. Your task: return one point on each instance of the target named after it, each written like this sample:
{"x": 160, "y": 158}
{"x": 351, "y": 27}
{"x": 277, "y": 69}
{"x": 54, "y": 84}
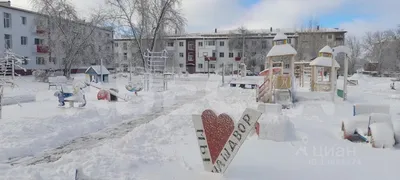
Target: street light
{"x": 205, "y": 54}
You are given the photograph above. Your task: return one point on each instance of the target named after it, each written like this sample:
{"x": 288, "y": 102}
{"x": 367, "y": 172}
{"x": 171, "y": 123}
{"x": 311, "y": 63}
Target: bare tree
{"x": 310, "y": 40}
{"x": 252, "y": 47}
{"x": 374, "y": 45}
{"x": 355, "y": 48}
{"x": 70, "y": 36}
{"x": 147, "y": 21}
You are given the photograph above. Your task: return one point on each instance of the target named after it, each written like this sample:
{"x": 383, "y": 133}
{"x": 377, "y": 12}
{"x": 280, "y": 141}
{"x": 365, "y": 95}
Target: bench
{"x": 58, "y": 80}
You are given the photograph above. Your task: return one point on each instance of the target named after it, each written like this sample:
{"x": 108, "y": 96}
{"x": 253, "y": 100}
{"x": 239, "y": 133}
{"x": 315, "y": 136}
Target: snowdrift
{"x": 277, "y": 128}
{"x": 382, "y": 135}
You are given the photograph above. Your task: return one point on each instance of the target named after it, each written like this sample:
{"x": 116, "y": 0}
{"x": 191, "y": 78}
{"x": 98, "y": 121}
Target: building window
{"x": 211, "y": 43}
{"x": 213, "y": 54}
{"x": 7, "y": 20}
{"x": 264, "y": 44}
{"x": 200, "y": 66}
{"x": 125, "y": 46}
{"x": 329, "y": 36}
{"x": 40, "y": 41}
{"x": 221, "y": 43}
{"x": 239, "y": 54}
{"x": 279, "y": 42}
{"x": 231, "y": 54}
{"x": 116, "y": 44}
{"x": 40, "y": 61}
{"x": 289, "y": 40}
{"x": 170, "y": 44}
{"x": 180, "y": 54}
{"x": 287, "y": 66}
{"x": 23, "y": 20}
{"x": 221, "y": 54}
{"x": 8, "y": 41}
{"x": 25, "y": 61}
{"x": 200, "y": 44}
{"x": 181, "y": 44}
{"x": 125, "y": 56}
{"x": 52, "y": 60}
{"x": 191, "y": 45}
{"x": 212, "y": 66}
{"x": 190, "y": 56}
{"x": 24, "y": 40}
{"x": 181, "y": 65}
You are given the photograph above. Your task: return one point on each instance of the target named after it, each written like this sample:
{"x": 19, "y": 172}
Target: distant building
{"x": 21, "y": 33}
{"x": 188, "y": 50}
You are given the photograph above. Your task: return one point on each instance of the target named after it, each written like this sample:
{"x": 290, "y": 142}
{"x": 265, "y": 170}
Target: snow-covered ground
{"x": 152, "y": 137}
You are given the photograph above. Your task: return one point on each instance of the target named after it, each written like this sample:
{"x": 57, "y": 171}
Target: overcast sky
{"x": 356, "y": 16}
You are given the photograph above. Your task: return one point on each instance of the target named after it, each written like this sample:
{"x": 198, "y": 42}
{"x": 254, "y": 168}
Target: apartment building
{"x": 193, "y": 52}
{"x": 21, "y": 33}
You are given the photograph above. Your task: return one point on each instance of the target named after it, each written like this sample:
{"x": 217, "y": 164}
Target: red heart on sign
{"x": 217, "y": 129}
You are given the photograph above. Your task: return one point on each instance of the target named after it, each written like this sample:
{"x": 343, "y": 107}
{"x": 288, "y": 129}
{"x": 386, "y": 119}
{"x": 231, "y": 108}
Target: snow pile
{"x": 371, "y": 108}
{"x": 381, "y": 118}
{"x": 396, "y": 129}
{"x": 277, "y": 128}
{"x": 361, "y": 78}
{"x": 382, "y": 135}
{"x": 355, "y": 122}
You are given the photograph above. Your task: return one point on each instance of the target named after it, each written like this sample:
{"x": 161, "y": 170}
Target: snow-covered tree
{"x": 146, "y": 22}
{"x": 253, "y": 50}
{"x": 73, "y": 39}
{"x": 374, "y": 45}
{"x": 354, "y": 45}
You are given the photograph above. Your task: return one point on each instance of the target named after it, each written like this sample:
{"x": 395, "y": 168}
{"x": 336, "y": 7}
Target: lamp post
{"x": 205, "y": 54}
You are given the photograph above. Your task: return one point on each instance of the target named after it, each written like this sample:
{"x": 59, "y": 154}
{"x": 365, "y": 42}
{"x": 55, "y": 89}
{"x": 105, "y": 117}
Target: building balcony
{"x": 238, "y": 58}
{"x": 40, "y": 30}
{"x": 42, "y": 49}
{"x": 211, "y": 59}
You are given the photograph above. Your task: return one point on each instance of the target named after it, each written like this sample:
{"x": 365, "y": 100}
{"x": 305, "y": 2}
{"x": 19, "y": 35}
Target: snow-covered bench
{"x": 371, "y": 122}
{"x": 58, "y": 80}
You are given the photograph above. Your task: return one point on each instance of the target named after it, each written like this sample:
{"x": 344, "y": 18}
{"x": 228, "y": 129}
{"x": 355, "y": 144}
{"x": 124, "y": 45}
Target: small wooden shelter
{"x": 97, "y": 74}
{"x": 320, "y": 67}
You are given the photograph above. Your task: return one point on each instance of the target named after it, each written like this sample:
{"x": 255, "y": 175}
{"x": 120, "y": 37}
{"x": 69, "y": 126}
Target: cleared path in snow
{"x": 95, "y": 139}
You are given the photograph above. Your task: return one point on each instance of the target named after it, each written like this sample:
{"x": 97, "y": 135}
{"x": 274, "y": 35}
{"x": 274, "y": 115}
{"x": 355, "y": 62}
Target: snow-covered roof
{"x": 282, "y": 50}
{"x": 280, "y": 36}
{"x": 326, "y": 49}
{"x": 98, "y": 70}
{"x": 324, "y": 62}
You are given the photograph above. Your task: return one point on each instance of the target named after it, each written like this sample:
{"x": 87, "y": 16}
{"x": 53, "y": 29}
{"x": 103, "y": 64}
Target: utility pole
{"x": 101, "y": 70}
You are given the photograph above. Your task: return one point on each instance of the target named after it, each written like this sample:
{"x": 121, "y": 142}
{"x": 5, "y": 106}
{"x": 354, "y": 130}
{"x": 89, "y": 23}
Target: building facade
{"x": 21, "y": 33}
{"x": 203, "y": 52}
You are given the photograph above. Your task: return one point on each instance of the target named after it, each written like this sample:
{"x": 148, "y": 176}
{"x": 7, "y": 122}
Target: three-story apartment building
{"x": 193, "y": 52}
{"x": 20, "y": 32}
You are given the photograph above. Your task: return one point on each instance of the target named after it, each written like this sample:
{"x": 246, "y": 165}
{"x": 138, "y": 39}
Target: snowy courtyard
{"x": 152, "y": 135}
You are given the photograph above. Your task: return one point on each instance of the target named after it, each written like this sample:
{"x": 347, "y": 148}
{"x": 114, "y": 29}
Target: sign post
{"x": 220, "y": 138}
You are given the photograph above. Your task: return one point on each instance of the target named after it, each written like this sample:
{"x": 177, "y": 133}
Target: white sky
{"x": 205, "y": 15}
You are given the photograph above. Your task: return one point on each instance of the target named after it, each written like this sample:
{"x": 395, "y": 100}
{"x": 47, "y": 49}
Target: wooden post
{"x": 1, "y": 100}
{"x": 270, "y": 77}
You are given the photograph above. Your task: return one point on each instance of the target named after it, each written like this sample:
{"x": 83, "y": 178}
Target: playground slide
{"x": 111, "y": 91}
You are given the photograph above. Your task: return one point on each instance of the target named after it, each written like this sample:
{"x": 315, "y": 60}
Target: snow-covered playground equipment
{"x": 320, "y": 67}
{"x": 371, "y": 123}
{"x": 280, "y": 87}
{"x": 71, "y": 96}
{"x": 156, "y": 78}
{"x": 109, "y": 94}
